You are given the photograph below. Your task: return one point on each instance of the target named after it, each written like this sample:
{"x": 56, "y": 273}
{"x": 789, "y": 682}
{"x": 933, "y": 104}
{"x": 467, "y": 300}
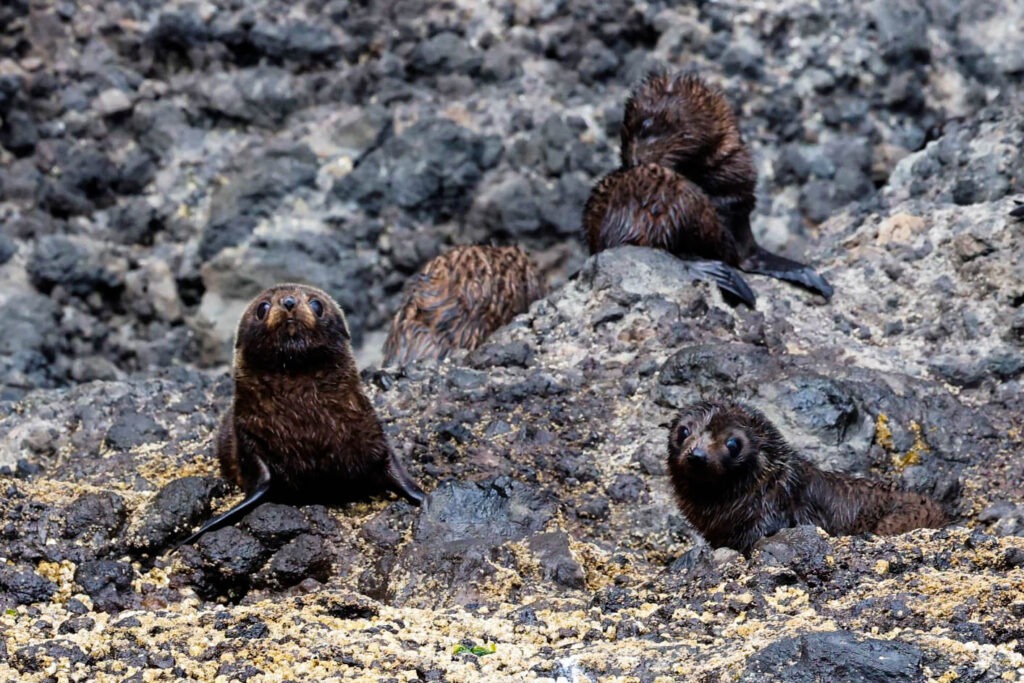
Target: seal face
{"x": 737, "y": 480}
{"x": 299, "y": 407}
{"x": 291, "y": 328}
{"x": 300, "y": 428}
{"x": 458, "y": 299}
{"x": 686, "y": 185}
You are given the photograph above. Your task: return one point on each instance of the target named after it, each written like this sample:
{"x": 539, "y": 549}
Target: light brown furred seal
{"x": 458, "y": 299}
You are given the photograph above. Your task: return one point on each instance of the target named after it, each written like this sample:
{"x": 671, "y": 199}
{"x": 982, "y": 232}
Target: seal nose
{"x": 699, "y": 454}
{"x": 288, "y": 302}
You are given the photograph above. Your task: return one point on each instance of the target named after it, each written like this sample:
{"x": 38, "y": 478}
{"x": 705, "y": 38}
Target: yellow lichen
{"x": 883, "y": 435}
{"x": 61, "y": 573}
{"x": 884, "y": 438}
{"x": 920, "y": 447}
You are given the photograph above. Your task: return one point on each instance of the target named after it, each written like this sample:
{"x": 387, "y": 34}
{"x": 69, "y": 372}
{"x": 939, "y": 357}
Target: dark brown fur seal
{"x": 737, "y": 480}
{"x": 687, "y": 127}
{"x": 300, "y": 429}
{"x": 458, "y": 299}
{"x": 653, "y": 206}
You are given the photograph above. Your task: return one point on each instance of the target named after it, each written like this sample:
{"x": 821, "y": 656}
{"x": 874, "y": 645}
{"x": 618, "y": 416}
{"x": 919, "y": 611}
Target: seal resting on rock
{"x": 458, "y": 299}
{"x": 699, "y": 205}
{"x": 737, "y": 480}
{"x": 300, "y": 428}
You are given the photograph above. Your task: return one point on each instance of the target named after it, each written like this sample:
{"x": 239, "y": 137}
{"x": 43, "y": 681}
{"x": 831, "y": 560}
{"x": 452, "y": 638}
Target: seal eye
{"x": 262, "y": 310}
{"x": 317, "y": 306}
{"x": 684, "y": 432}
{"x": 733, "y": 444}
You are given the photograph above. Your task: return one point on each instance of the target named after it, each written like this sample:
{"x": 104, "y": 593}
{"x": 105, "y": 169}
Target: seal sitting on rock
{"x": 300, "y": 428}
{"x": 686, "y": 185}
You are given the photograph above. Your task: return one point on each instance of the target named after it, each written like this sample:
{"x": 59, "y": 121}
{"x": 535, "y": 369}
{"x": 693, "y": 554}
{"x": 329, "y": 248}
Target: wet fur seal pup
{"x": 458, "y": 299}
{"x": 684, "y": 125}
{"x": 300, "y": 428}
{"x": 737, "y": 480}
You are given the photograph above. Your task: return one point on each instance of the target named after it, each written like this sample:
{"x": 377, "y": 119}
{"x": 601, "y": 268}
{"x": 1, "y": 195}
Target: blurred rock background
{"x": 163, "y": 162}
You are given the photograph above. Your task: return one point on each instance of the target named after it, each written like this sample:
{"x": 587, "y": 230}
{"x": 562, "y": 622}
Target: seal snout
{"x": 698, "y": 455}
{"x": 288, "y": 302}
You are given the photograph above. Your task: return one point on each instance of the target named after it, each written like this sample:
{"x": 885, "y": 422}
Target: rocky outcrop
{"x": 162, "y": 164}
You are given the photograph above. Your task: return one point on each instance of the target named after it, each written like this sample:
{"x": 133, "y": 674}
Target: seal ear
{"x": 344, "y": 324}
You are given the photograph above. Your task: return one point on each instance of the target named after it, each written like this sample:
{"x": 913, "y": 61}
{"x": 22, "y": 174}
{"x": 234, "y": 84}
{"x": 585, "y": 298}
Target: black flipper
{"x": 252, "y": 500}
{"x": 401, "y": 483}
{"x": 781, "y": 268}
{"x": 1017, "y": 211}
{"x": 727, "y": 279}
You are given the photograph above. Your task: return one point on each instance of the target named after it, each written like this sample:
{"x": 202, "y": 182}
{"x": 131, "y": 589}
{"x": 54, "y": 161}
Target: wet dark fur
{"x": 682, "y": 154}
{"x": 458, "y": 299}
{"x": 300, "y": 411}
{"x": 735, "y": 500}
{"x": 684, "y": 124}
{"x": 652, "y": 206}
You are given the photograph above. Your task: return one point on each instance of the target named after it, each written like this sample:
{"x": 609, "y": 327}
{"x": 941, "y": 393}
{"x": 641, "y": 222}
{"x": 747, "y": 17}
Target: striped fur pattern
{"x": 458, "y": 299}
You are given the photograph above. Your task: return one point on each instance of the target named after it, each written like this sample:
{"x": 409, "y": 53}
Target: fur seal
{"x": 458, "y": 299}
{"x": 688, "y": 128}
{"x": 737, "y": 480}
{"x": 300, "y": 428}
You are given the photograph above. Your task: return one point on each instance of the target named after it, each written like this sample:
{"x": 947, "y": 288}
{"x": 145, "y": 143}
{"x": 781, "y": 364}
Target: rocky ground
{"x": 161, "y": 163}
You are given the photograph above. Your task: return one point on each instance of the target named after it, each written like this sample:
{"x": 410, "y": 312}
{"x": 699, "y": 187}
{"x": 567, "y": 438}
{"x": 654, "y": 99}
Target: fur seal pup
{"x": 686, "y": 126}
{"x": 653, "y": 206}
{"x": 300, "y": 428}
{"x": 737, "y": 480}
{"x": 458, "y": 299}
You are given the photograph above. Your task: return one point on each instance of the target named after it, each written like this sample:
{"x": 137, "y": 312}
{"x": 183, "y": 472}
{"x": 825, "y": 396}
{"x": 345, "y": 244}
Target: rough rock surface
{"x": 160, "y": 163}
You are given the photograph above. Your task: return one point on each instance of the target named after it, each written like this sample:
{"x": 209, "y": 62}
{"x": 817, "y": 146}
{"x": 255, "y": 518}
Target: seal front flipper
{"x": 781, "y": 268}
{"x": 399, "y": 481}
{"x": 727, "y": 279}
{"x": 251, "y": 500}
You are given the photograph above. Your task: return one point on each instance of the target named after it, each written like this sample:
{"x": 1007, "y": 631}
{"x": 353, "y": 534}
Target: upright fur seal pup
{"x": 737, "y": 480}
{"x": 458, "y": 299}
{"x": 300, "y": 428}
{"x": 686, "y": 127}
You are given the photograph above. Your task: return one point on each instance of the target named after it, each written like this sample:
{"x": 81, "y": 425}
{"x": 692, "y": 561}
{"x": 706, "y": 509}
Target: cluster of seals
{"x": 458, "y": 299}
{"x": 686, "y": 185}
{"x": 737, "y": 480}
{"x": 300, "y": 428}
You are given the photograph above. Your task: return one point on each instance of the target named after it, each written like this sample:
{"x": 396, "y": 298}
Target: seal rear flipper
{"x": 727, "y": 279}
{"x": 252, "y": 500}
{"x": 781, "y": 268}
{"x": 399, "y": 482}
